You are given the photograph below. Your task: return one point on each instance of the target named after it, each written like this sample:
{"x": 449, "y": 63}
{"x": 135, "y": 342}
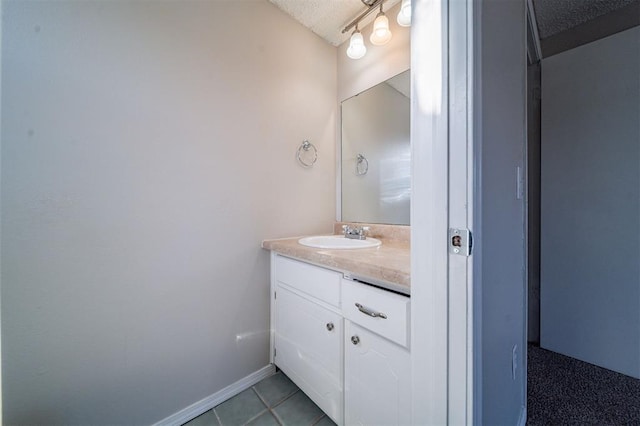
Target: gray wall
{"x": 499, "y": 260}
{"x": 147, "y": 149}
{"x": 590, "y": 265}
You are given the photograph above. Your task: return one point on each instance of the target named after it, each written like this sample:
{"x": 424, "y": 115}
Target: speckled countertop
{"x": 387, "y": 265}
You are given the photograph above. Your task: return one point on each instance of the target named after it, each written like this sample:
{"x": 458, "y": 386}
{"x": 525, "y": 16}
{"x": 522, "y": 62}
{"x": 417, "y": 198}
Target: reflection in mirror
{"x": 376, "y": 154}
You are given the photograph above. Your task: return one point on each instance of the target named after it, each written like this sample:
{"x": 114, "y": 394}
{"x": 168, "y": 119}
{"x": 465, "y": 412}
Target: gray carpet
{"x": 566, "y": 391}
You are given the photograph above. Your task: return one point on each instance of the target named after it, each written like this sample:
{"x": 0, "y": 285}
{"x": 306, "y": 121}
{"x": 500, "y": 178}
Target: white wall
{"x": 590, "y": 265}
{"x": 376, "y": 125}
{"x": 499, "y": 256}
{"x": 147, "y": 149}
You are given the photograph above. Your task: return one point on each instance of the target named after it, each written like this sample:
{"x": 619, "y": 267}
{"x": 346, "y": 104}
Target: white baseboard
{"x": 206, "y": 404}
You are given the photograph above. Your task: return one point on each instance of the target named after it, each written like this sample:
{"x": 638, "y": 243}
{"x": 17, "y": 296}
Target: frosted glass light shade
{"x": 356, "y": 49}
{"x": 404, "y": 16}
{"x": 381, "y": 34}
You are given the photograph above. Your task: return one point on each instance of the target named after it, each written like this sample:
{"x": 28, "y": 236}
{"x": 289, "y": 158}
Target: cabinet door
{"x": 377, "y": 379}
{"x": 308, "y": 345}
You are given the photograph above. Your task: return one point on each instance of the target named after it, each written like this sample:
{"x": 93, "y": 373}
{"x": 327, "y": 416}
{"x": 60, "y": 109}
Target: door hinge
{"x": 275, "y": 295}
{"x": 274, "y": 352}
{"x": 460, "y": 241}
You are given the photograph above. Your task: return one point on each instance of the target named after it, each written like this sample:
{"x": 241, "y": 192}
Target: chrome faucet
{"x": 355, "y": 232}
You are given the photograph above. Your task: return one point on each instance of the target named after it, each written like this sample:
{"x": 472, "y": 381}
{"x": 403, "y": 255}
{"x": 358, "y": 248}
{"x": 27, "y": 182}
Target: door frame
{"x": 442, "y": 197}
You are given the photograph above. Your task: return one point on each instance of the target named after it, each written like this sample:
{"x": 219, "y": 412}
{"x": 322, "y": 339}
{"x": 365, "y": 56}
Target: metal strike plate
{"x": 460, "y": 241}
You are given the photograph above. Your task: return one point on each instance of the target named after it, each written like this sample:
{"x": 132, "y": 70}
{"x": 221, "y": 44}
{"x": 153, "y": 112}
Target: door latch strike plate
{"x": 460, "y": 241}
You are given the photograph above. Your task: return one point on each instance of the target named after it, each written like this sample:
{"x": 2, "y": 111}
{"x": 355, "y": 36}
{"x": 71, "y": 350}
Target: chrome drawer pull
{"x": 369, "y": 312}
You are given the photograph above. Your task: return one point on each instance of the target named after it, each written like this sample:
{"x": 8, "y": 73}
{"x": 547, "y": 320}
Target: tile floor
{"x": 275, "y": 400}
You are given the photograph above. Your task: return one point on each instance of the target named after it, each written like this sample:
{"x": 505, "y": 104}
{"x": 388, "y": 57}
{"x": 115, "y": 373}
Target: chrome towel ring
{"x": 307, "y": 154}
{"x": 362, "y": 165}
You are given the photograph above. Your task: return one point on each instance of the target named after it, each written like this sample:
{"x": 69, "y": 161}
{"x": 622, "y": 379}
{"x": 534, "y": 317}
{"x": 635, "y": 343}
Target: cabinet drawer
{"x": 318, "y": 282}
{"x": 385, "y": 313}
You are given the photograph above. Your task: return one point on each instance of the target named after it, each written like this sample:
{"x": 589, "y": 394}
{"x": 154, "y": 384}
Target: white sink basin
{"x": 338, "y": 242}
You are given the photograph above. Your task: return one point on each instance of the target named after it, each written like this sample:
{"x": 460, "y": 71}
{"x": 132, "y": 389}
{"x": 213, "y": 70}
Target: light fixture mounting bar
{"x": 371, "y": 8}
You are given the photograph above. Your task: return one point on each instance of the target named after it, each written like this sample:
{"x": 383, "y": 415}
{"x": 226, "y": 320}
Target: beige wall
{"x": 147, "y": 149}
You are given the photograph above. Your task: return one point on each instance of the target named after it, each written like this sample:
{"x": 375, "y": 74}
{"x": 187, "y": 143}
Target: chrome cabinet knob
{"x": 330, "y": 326}
{"x": 355, "y": 340}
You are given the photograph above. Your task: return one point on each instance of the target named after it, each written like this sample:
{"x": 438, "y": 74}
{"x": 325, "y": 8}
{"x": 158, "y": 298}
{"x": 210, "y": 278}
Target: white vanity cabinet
{"x": 344, "y": 343}
{"x": 308, "y": 331}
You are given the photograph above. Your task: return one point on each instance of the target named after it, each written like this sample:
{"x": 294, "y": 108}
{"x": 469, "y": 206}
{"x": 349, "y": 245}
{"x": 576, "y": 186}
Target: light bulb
{"x": 404, "y": 16}
{"x": 381, "y": 34}
{"x": 356, "y": 49}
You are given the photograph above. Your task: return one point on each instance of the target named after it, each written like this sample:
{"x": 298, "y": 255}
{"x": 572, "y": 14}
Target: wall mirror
{"x": 376, "y": 154}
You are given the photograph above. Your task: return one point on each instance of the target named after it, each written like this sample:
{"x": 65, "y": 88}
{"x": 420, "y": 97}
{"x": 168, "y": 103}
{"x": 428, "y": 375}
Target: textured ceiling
{"x": 327, "y": 18}
{"x": 556, "y": 16}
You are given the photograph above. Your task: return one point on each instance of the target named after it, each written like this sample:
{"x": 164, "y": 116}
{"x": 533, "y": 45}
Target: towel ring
{"x": 304, "y": 151}
{"x": 362, "y": 165}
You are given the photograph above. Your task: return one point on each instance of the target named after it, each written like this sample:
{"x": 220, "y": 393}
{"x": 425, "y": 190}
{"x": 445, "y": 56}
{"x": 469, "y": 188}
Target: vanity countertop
{"x": 387, "y": 266}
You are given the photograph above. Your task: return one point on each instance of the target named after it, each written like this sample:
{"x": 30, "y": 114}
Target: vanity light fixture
{"x": 404, "y": 16}
{"x": 380, "y": 34}
{"x": 356, "y": 49}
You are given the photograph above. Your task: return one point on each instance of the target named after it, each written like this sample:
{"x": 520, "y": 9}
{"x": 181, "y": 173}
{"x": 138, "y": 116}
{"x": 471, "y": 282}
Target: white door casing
{"x": 442, "y": 182}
